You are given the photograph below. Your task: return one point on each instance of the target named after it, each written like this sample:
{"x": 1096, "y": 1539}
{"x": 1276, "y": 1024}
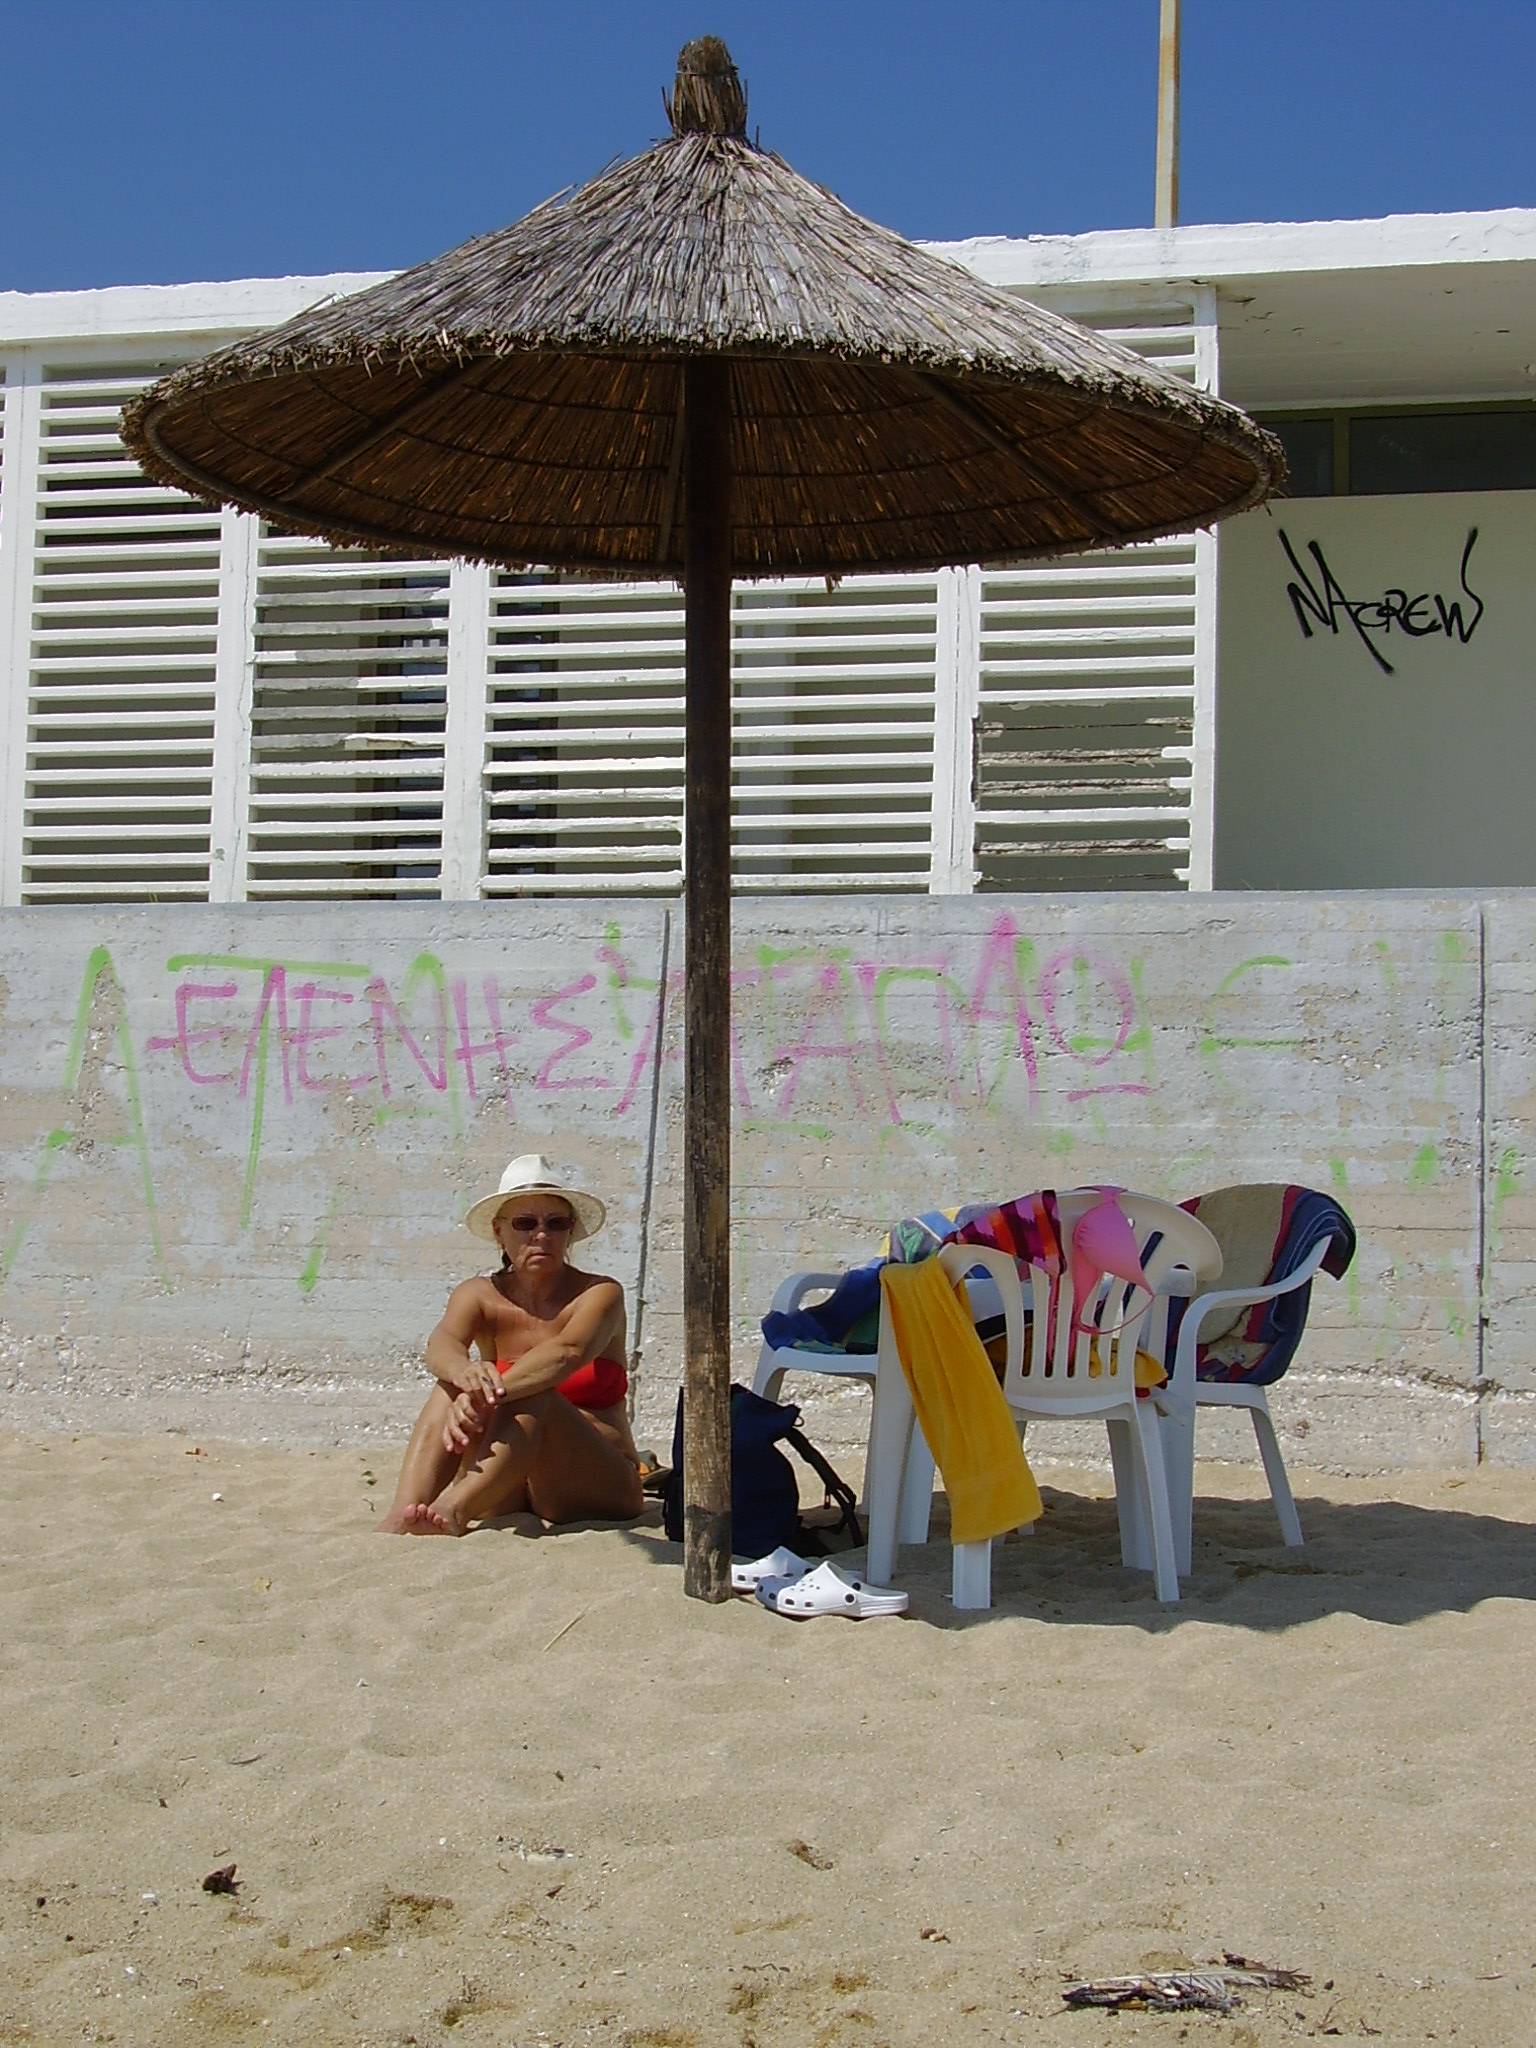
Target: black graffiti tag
{"x": 1322, "y": 603}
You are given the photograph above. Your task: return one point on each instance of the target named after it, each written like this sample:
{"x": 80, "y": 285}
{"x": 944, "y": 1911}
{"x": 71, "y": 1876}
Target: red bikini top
{"x": 601, "y": 1384}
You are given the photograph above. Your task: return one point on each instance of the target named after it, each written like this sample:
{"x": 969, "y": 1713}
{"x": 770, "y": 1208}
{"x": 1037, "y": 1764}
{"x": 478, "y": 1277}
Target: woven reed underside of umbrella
{"x": 519, "y": 399}
{"x": 571, "y": 459}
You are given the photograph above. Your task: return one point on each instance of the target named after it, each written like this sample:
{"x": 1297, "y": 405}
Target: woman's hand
{"x": 474, "y": 1376}
{"x": 450, "y": 1358}
{"x": 467, "y": 1420}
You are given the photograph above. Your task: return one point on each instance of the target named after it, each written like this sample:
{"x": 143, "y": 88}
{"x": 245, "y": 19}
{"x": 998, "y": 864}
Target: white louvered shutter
{"x": 1044, "y": 727}
{"x": 584, "y": 737}
{"x": 832, "y": 735}
{"x": 347, "y": 723}
{"x": 1085, "y": 740}
{"x": 1085, "y": 743}
{"x": 120, "y": 683}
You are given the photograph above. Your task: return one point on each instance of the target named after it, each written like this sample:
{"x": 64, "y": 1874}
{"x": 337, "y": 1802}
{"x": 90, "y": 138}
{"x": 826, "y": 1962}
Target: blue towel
{"x": 1313, "y": 1218}
{"x": 830, "y": 1325}
{"x": 849, "y": 1318}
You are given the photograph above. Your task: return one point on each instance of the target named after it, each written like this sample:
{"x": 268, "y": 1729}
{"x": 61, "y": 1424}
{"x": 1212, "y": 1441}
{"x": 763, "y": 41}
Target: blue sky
{"x": 155, "y": 141}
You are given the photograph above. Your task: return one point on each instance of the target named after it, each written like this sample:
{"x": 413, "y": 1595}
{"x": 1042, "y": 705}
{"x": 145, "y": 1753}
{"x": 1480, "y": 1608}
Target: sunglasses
{"x": 554, "y": 1226}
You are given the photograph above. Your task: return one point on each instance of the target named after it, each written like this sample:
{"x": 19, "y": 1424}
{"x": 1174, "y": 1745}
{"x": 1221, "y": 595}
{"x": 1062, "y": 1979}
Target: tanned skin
{"x": 490, "y": 1443}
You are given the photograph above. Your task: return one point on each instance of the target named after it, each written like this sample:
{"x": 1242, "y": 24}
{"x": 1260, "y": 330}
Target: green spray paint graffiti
{"x": 101, "y": 996}
{"x": 290, "y": 992}
{"x": 911, "y": 1038}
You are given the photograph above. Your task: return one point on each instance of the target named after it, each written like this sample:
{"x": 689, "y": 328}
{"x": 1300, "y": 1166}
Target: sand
{"x": 516, "y": 1790}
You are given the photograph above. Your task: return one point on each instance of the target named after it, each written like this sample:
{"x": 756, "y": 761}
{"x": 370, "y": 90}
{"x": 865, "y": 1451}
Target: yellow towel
{"x": 1149, "y": 1370}
{"x": 972, "y": 1434}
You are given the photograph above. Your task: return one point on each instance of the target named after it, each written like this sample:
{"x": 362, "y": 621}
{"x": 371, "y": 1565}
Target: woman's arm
{"x": 592, "y": 1327}
{"x": 448, "y": 1355}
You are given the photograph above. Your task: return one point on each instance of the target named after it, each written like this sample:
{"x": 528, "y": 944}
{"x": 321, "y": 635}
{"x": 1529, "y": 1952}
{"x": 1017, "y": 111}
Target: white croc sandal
{"x": 829, "y": 1591}
{"x": 782, "y": 1565}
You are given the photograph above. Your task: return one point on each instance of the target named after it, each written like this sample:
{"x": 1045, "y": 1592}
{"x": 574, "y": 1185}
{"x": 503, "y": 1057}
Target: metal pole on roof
{"x": 1166, "y": 209}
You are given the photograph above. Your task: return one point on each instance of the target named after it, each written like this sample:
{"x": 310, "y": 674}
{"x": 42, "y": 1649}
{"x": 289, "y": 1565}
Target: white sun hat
{"x": 532, "y": 1174}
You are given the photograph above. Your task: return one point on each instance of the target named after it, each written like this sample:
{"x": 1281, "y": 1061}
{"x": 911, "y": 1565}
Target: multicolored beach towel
{"x": 1265, "y": 1232}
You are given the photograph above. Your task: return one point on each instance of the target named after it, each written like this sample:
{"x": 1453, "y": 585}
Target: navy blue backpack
{"x": 765, "y": 1497}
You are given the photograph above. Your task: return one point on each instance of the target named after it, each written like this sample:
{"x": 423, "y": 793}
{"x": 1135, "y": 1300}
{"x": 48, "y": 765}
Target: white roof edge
{"x": 133, "y": 309}
{"x": 1247, "y": 249}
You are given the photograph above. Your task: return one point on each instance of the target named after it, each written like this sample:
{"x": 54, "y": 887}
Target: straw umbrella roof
{"x": 519, "y": 400}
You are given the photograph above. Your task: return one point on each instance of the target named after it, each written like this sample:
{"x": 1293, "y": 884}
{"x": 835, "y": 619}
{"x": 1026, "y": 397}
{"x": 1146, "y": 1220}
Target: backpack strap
{"x": 839, "y": 1493}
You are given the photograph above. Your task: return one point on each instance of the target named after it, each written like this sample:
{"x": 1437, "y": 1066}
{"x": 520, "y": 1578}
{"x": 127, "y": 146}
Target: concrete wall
{"x": 1378, "y": 729}
{"x": 235, "y": 1143}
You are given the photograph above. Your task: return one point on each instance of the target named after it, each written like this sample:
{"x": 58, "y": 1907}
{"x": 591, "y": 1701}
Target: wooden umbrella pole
{"x": 707, "y": 904}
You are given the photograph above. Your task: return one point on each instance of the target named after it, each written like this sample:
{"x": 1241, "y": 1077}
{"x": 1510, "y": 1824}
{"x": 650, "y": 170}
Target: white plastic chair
{"x": 1186, "y": 1392}
{"x": 1051, "y": 1377}
{"x": 768, "y": 1380}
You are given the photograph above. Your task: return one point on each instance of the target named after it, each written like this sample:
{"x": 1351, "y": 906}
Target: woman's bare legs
{"x": 427, "y": 1469}
{"x": 544, "y": 1453}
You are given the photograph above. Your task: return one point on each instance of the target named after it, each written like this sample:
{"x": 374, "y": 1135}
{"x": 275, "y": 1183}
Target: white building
{"x": 1332, "y": 693}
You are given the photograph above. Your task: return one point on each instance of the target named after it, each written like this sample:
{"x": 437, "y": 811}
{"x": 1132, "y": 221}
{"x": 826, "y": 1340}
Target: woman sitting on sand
{"x": 536, "y": 1421}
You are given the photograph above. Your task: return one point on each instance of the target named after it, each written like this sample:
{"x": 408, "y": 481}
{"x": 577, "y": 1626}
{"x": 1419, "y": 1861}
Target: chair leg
{"x": 916, "y": 1491}
{"x": 1275, "y": 1473}
{"x": 1135, "y": 1530}
{"x": 1178, "y": 1434}
{"x": 971, "y": 1583}
{"x": 769, "y": 1377}
{"x": 890, "y": 1438}
{"x": 1024, "y": 1528}
{"x": 1149, "y": 1444}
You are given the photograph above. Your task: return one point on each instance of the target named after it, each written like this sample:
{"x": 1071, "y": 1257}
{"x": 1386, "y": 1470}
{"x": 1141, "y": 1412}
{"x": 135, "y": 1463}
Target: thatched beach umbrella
{"x": 700, "y": 365}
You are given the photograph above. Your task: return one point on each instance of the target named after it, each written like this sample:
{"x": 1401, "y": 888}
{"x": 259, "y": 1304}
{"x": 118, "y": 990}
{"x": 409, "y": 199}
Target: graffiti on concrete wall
{"x": 99, "y": 1031}
{"x": 823, "y": 1028}
{"x": 816, "y": 1030}
{"x": 821, "y": 1033}
{"x": 248, "y": 1055}
{"x": 1321, "y": 605}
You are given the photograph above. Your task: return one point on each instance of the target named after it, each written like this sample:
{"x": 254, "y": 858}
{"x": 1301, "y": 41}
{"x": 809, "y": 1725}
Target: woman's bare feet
{"x": 420, "y": 1518}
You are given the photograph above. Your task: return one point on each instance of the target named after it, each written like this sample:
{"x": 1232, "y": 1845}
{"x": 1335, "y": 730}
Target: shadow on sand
{"x": 1385, "y": 1560}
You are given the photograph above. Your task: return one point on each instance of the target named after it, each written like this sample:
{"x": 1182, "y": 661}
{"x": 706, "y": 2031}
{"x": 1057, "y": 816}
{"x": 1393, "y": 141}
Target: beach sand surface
{"x": 517, "y": 1790}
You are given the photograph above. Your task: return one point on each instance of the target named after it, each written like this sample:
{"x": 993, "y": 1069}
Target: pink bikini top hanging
{"x": 1104, "y": 1242}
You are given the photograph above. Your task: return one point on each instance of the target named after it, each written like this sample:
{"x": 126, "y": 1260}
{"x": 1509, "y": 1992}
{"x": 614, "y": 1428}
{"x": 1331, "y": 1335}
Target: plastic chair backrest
{"x": 989, "y": 1278}
{"x": 1090, "y": 1347}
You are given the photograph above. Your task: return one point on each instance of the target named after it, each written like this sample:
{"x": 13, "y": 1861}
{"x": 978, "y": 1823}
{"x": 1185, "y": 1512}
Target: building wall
{"x": 235, "y": 1142}
{"x": 1376, "y": 728}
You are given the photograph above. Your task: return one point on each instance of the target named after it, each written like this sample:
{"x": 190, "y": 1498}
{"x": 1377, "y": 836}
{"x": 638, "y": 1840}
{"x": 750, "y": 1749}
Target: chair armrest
{"x": 1180, "y": 1391}
{"x": 796, "y": 1287}
{"x": 960, "y": 1259}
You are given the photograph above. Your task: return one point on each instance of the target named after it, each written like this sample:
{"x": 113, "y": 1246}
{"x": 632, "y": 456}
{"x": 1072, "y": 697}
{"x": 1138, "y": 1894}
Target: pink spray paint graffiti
{"x": 577, "y": 1037}
{"x": 820, "y": 1033}
{"x": 939, "y": 1029}
{"x": 253, "y": 1025}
